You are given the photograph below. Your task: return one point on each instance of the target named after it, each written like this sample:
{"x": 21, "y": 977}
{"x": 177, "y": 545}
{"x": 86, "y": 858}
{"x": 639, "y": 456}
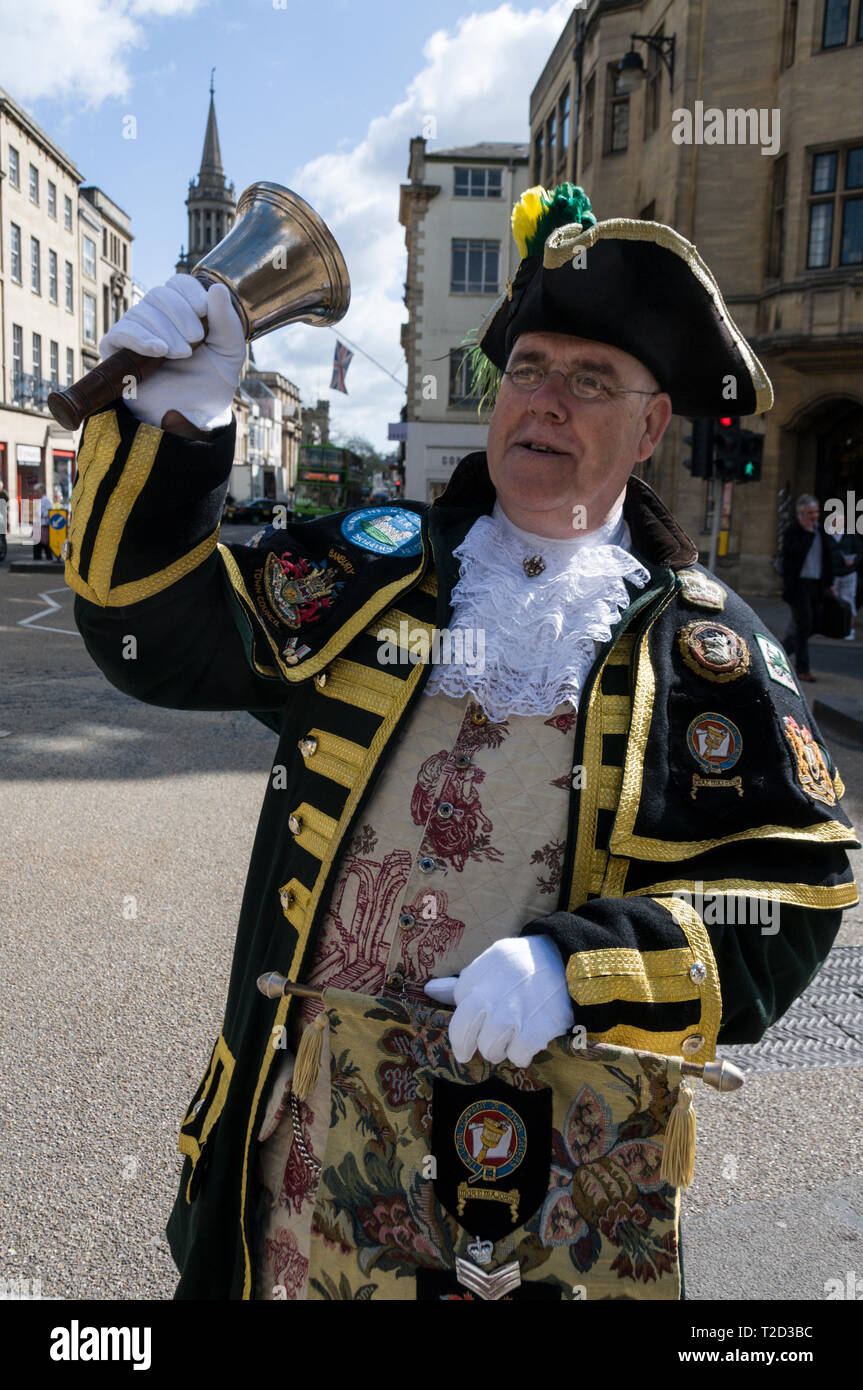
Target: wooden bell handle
{"x": 100, "y": 387}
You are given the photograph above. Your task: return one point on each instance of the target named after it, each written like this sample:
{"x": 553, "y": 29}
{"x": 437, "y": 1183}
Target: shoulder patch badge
{"x": 813, "y": 773}
{"x": 778, "y": 668}
{"x": 716, "y": 744}
{"x": 714, "y": 651}
{"x": 384, "y": 530}
{"x": 298, "y": 590}
{"x": 699, "y": 591}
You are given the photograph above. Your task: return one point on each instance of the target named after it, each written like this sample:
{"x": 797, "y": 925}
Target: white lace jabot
{"x": 540, "y": 635}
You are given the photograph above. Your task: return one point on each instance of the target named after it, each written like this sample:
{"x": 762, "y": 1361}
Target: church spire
{"x": 211, "y": 204}
{"x": 211, "y": 159}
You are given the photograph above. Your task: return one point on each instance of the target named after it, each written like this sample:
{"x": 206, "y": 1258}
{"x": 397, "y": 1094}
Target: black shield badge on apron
{"x": 492, "y": 1148}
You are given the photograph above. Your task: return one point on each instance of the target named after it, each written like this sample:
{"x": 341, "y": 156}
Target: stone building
{"x": 456, "y": 214}
{"x": 755, "y": 154}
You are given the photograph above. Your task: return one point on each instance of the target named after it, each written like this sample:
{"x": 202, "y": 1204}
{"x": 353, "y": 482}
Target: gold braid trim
{"x": 796, "y": 894}
{"x": 187, "y": 1143}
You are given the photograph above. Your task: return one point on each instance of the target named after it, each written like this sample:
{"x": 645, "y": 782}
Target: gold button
{"x": 288, "y": 898}
{"x": 479, "y": 716}
{"x": 462, "y": 760}
{"x": 395, "y": 980}
{"x": 307, "y": 745}
{"x": 321, "y": 679}
{"x": 295, "y": 824}
{"x": 406, "y": 921}
{"x": 693, "y": 1043}
{"x": 445, "y": 810}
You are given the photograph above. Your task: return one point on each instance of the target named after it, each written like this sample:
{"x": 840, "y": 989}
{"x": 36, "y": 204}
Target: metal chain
{"x": 314, "y": 1168}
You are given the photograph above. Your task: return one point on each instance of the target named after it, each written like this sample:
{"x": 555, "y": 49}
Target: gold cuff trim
{"x": 136, "y": 471}
{"x": 95, "y": 456}
{"x": 336, "y": 758}
{"x": 362, "y": 686}
{"x": 711, "y": 994}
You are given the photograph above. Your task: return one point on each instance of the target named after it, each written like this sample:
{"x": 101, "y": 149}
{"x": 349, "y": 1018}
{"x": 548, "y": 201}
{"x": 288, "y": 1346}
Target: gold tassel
{"x": 678, "y": 1152}
{"x": 308, "y": 1064}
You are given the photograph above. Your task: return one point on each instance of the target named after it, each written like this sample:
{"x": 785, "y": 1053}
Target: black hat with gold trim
{"x": 638, "y": 286}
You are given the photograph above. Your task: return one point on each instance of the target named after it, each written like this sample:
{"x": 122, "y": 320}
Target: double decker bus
{"x": 329, "y": 479}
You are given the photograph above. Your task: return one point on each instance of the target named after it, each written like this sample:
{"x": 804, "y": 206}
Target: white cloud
{"x": 476, "y": 81}
{"x": 83, "y": 46}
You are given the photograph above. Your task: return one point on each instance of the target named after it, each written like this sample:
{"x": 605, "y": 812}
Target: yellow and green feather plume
{"x": 539, "y": 212}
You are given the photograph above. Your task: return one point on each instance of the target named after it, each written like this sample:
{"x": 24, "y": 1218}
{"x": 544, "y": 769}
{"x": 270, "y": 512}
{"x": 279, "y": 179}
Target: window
{"x": 550, "y": 137}
{"x": 70, "y": 366}
{"x": 54, "y": 351}
{"x": 589, "y": 107}
{"x": 34, "y": 184}
{"x": 652, "y": 88}
{"x": 52, "y": 199}
{"x": 474, "y": 267}
{"x": 70, "y": 304}
{"x": 789, "y": 34}
{"x": 52, "y": 276}
{"x": 537, "y": 158}
{"x": 617, "y": 113}
{"x": 125, "y": 267}
{"x": 17, "y": 350}
{"x": 14, "y": 167}
{"x": 106, "y": 309}
{"x": 37, "y": 354}
{"x": 459, "y": 380}
{"x": 89, "y": 319}
{"x": 105, "y": 242}
{"x": 89, "y": 256}
{"x": 67, "y": 213}
{"x": 469, "y": 183}
{"x": 776, "y": 237}
{"x": 836, "y": 204}
{"x": 564, "y": 126}
{"x": 15, "y": 248}
{"x": 835, "y": 31}
{"x": 35, "y": 267}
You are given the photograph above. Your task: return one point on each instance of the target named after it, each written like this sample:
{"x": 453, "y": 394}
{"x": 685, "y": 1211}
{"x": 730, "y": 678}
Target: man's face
{"x": 549, "y": 451}
{"x": 808, "y": 517}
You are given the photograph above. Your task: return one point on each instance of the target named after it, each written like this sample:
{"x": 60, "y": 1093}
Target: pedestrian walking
{"x": 807, "y": 574}
{"x": 41, "y": 549}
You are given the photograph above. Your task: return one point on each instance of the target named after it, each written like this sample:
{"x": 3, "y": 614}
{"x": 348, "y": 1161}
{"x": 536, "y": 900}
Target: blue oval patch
{"x": 384, "y": 530}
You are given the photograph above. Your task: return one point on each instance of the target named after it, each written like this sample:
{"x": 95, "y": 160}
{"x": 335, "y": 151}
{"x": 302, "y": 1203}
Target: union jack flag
{"x": 341, "y": 361}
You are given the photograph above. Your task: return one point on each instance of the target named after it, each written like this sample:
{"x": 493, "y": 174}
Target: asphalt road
{"x": 126, "y": 833}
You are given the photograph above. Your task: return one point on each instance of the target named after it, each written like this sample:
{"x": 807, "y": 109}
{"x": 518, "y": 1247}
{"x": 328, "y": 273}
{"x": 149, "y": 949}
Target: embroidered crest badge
{"x": 298, "y": 590}
{"x": 716, "y": 744}
{"x": 384, "y": 530}
{"x": 713, "y": 651}
{"x": 778, "y": 668}
{"x": 813, "y": 773}
{"x": 492, "y": 1144}
{"x": 699, "y": 591}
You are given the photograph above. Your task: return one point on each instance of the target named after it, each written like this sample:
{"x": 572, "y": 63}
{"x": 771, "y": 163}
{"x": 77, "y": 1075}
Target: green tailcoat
{"x": 699, "y": 772}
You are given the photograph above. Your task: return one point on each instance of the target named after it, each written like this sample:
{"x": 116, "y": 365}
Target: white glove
{"x": 167, "y": 323}
{"x": 511, "y": 1001}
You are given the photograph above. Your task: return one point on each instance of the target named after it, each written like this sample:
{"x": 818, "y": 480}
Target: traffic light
{"x": 750, "y": 456}
{"x": 726, "y": 445}
{"x": 701, "y": 439}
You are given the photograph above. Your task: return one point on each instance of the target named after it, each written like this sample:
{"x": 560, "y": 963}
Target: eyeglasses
{"x": 581, "y": 384}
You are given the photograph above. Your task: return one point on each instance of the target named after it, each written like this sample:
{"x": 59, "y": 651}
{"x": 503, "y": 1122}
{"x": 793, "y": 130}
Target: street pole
{"x": 719, "y": 484}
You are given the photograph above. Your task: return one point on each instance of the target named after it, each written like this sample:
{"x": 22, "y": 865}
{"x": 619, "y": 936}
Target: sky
{"x": 322, "y": 97}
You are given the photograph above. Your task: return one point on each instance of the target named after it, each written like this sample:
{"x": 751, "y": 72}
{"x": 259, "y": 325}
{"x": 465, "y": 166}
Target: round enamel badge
{"x": 384, "y": 530}
{"x": 490, "y": 1139}
{"x": 714, "y": 742}
{"x": 714, "y": 651}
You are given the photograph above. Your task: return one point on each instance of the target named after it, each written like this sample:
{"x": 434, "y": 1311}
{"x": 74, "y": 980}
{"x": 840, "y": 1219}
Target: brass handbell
{"x": 281, "y": 264}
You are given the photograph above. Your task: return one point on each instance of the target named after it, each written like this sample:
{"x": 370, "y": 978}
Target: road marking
{"x": 46, "y": 612}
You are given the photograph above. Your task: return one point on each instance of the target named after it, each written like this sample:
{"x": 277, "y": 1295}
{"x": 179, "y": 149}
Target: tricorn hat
{"x": 638, "y": 286}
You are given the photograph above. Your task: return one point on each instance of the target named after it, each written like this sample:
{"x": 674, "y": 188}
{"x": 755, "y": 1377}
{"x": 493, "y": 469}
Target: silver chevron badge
{"x": 488, "y": 1286}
